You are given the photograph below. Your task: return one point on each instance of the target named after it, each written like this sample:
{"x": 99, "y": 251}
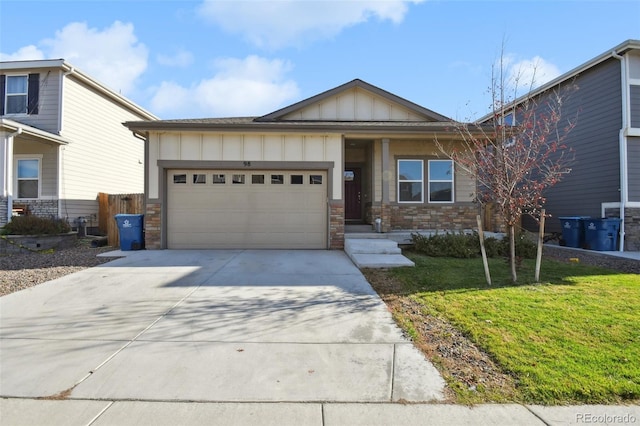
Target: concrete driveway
{"x": 216, "y": 325}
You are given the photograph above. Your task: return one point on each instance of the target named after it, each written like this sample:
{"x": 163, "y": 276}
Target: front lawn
{"x": 575, "y": 338}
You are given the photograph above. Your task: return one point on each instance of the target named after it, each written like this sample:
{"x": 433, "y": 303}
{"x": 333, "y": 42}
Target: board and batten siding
{"x": 103, "y": 155}
{"x": 243, "y": 147}
{"x": 355, "y": 105}
{"x": 48, "y": 101}
{"x": 633, "y": 161}
{"x": 595, "y": 177}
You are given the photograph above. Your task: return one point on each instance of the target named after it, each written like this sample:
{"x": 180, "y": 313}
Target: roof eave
{"x": 159, "y": 126}
{"x": 14, "y": 126}
{"x": 69, "y": 69}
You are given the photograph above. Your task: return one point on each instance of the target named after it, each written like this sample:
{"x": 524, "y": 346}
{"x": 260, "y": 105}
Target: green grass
{"x": 575, "y": 338}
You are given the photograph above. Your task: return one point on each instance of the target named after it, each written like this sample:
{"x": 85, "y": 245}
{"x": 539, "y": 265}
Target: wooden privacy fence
{"x": 113, "y": 204}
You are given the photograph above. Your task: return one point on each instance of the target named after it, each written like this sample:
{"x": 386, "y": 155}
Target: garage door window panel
{"x": 297, "y": 179}
{"x": 199, "y": 178}
{"x": 180, "y": 179}
{"x": 257, "y": 179}
{"x": 315, "y": 179}
{"x": 219, "y": 179}
{"x": 277, "y": 179}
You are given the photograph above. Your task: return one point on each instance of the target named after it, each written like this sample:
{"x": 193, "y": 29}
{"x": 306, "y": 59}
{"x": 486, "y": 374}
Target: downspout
{"x": 8, "y": 173}
{"x": 61, "y": 148}
{"x": 623, "y": 146}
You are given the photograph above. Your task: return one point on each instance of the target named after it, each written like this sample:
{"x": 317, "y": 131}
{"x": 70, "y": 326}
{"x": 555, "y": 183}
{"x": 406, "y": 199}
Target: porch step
{"x": 371, "y": 246}
{"x": 375, "y": 253}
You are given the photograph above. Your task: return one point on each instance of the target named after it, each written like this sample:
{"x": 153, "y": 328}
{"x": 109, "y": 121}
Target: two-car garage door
{"x": 209, "y": 209}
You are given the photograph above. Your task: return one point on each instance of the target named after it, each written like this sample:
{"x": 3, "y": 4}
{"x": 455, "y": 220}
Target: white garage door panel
{"x": 268, "y": 215}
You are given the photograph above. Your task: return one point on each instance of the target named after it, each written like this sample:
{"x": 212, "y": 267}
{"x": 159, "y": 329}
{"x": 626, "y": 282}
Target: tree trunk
{"x": 487, "y": 275}
{"x": 512, "y": 253}
{"x": 540, "y": 244}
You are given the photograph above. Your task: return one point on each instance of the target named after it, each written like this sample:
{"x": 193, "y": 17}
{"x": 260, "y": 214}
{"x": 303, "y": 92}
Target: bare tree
{"x": 517, "y": 153}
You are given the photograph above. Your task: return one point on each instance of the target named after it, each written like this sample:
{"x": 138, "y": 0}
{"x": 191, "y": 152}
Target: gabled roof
{"x": 620, "y": 49}
{"x": 425, "y": 120}
{"x": 357, "y": 83}
{"x": 69, "y": 69}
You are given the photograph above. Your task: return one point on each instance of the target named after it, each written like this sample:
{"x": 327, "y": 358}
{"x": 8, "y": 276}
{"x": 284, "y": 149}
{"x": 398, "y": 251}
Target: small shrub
{"x": 34, "y": 225}
{"x": 463, "y": 246}
{"x": 458, "y": 245}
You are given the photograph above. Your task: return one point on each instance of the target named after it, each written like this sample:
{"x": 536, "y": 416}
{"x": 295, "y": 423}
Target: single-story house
{"x": 293, "y": 178}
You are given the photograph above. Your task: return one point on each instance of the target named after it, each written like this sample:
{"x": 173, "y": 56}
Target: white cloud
{"x": 112, "y": 56}
{"x": 240, "y": 87}
{"x": 181, "y": 59}
{"x": 269, "y": 23}
{"x": 25, "y": 53}
{"x": 528, "y": 74}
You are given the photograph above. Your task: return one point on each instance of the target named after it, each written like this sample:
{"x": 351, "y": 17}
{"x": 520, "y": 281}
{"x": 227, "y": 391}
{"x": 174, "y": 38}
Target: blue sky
{"x": 181, "y": 59}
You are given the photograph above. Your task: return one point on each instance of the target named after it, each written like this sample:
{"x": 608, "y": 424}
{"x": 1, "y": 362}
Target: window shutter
{"x": 34, "y": 93}
{"x": 3, "y": 85}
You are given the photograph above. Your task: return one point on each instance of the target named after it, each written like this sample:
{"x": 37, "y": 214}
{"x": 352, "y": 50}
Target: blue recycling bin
{"x": 573, "y": 230}
{"x": 130, "y": 229}
{"x": 602, "y": 234}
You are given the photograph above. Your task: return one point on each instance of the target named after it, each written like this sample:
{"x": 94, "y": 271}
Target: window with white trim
{"x": 28, "y": 177}
{"x": 17, "y": 94}
{"x": 441, "y": 181}
{"x": 410, "y": 181}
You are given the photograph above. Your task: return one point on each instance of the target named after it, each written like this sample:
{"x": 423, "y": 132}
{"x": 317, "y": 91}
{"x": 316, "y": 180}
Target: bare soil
{"x": 462, "y": 364}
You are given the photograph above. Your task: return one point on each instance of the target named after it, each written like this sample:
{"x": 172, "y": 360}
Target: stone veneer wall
{"x": 336, "y": 225}
{"x": 153, "y": 226}
{"x": 4, "y": 207}
{"x": 41, "y": 208}
{"x": 455, "y": 217}
{"x": 631, "y": 226}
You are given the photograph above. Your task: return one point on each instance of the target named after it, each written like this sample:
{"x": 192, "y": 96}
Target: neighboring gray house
{"x": 62, "y": 141}
{"x": 606, "y": 176}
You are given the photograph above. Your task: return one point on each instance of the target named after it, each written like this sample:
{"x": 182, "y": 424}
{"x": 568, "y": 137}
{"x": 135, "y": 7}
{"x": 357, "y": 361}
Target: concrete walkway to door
{"x": 217, "y": 325}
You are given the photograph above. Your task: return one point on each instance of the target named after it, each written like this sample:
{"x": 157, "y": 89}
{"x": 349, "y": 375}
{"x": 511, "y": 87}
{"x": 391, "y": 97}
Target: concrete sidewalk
{"x": 225, "y": 337}
{"x": 29, "y": 412}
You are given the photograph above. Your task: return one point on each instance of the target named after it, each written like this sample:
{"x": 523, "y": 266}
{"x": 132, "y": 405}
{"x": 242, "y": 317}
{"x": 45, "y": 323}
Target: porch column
{"x": 6, "y": 177}
{"x": 386, "y": 182}
{"x": 386, "y": 173}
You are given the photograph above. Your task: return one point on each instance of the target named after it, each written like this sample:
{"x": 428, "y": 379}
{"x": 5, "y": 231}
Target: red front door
{"x": 352, "y": 194}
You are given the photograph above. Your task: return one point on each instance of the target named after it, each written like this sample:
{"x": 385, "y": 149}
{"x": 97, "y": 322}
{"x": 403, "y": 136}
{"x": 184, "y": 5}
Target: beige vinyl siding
{"x": 244, "y": 147}
{"x": 103, "y": 156}
{"x": 48, "y": 102}
{"x": 355, "y": 105}
{"x": 48, "y": 166}
{"x": 464, "y": 186}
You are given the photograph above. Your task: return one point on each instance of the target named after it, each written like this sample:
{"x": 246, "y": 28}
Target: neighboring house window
{"x": 28, "y": 177}
{"x": 20, "y": 94}
{"x": 440, "y": 181}
{"x": 17, "y": 94}
{"x": 410, "y": 181}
